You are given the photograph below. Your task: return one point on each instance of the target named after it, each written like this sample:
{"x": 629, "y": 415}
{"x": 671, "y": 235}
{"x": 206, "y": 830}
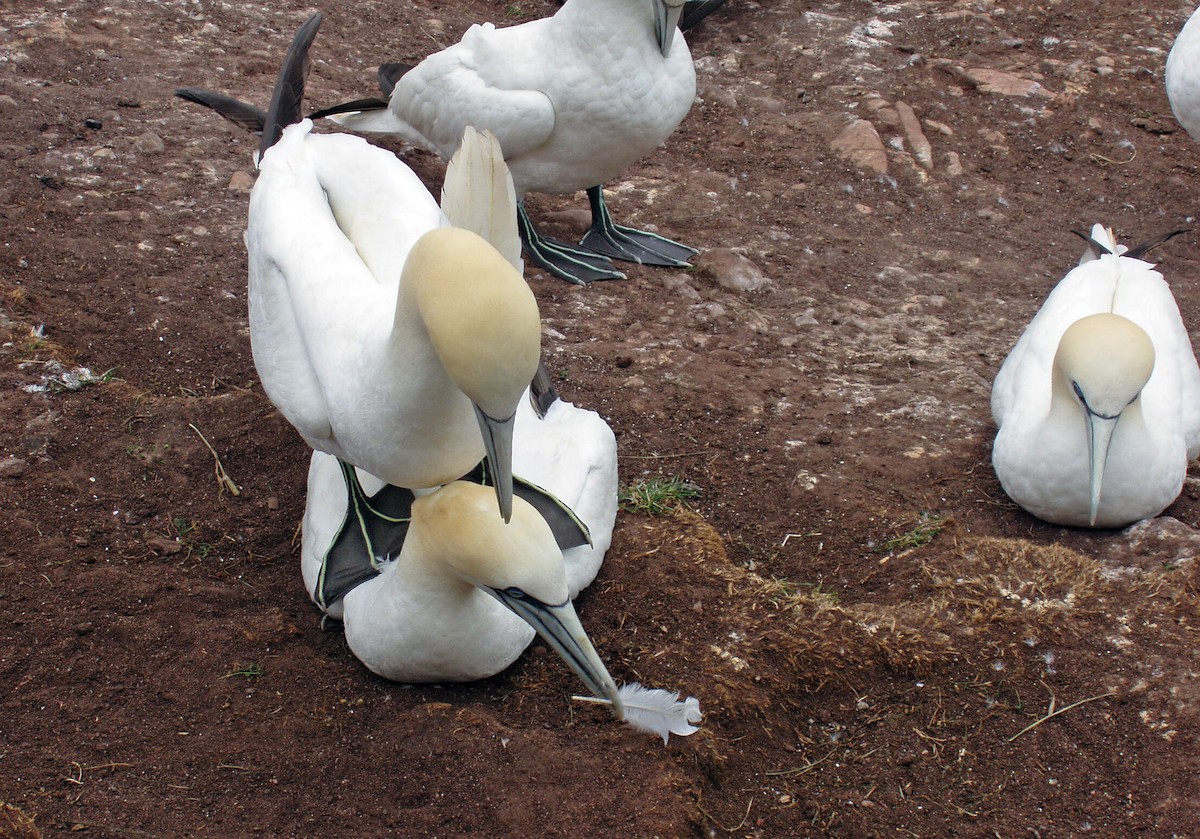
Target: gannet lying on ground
{"x": 387, "y": 338}
{"x": 574, "y": 99}
{"x": 1098, "y": 405}
{"x": 568, "y": 453}
{"x": 1183, "y": 76}
{"x": 466, "y": 594}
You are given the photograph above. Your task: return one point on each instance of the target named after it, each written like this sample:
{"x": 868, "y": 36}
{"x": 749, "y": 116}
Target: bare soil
{"x": 882, "y": 643}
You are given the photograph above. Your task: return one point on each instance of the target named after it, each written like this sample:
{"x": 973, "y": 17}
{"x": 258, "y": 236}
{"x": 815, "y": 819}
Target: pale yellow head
{"x": 1107, "y": 359}
{"x": 459, "y": 525}
{"x": 1102, "y": 363}
{"x": 481, "y": 317}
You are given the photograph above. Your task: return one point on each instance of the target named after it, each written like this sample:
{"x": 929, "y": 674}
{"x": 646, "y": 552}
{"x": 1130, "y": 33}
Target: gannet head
{"x": 666, "y": 21}
{"x": 518, "y": 563}
{"x": 1105, "y": 360}
{"x": 484, "y": 325}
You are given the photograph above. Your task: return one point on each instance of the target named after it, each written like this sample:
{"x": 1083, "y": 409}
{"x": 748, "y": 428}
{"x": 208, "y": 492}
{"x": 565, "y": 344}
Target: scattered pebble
{"x": 731, "y": 270}
{"x": 860, "y": 144}
{"x": 149, "y": 143}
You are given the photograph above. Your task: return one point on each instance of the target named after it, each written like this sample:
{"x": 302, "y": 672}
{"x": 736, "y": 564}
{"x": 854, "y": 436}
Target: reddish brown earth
{"x": 870, "y": 625}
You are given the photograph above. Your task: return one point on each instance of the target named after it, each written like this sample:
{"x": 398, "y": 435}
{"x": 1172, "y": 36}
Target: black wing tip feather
{"x": 390, "y": 74}
{"x": 289, "y": 85}
{"x": 239, "y": 113}
{"x": 1137, "y": 251}
{"x": 353, "y": 107}
{"x": 695, "y": 12}
{"x": 541, "y": 391}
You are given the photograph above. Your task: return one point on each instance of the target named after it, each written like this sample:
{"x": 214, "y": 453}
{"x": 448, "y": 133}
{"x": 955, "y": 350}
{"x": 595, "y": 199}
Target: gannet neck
{"x": 458, "y": 529}
{"x": 480, "y": 315}
{"x": 519, "y": 564}
{"x": 1105, "y": 360}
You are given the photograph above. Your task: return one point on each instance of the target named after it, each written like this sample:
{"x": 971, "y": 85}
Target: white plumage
{"x": 574, "y": 99}
{"x": 366, "y": 330}
{"x": 571, "y": 453}
{"x": 1183, "y": 76}
{"x": 1059, "y": 395}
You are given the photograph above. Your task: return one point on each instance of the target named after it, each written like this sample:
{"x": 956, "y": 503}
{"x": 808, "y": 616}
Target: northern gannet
{"x": 1098, "y": 405}
{"x": 574, "y": 99}
{"x": 389, "y": 339}
{"x": 1183, "y": 76}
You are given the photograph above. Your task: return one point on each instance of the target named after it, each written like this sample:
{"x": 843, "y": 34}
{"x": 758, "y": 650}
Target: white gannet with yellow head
{"x": 389, "y": 339}
{"x": 1098, "y": 405}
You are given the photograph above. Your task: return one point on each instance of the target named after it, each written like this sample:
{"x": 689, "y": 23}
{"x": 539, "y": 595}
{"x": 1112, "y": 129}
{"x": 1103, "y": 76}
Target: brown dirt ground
{"x": 868, "y": 622}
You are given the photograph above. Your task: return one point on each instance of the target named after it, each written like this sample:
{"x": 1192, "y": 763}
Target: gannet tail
{"x": 478, "y": 194}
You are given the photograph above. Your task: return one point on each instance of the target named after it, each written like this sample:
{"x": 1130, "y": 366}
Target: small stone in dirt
{"x": 122, "y": 102}
{"x": 860, "y": 144}
{"x": 272, "y": 503}
{"x": 84, "y": 628}
{"x": 731, "y": 270}
{"x": 13, "y": 467}
{"x": 241, "y": 182}
{"x": 163, "y": 545}
{"x": 93, "y": 123}
{"x": 149, "y": 143}
{"x": 5, "y": 99}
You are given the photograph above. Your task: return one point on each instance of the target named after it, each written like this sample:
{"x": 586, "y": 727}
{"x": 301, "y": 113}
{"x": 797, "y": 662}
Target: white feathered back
{"x": 478, "y": 194}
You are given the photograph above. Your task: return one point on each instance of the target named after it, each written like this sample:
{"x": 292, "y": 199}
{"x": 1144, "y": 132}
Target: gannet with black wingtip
{"x": 1182, "y": 76}
{"x": 387, "y": 338}
{"x": 353, "y": 522}
{"x": 466, "y": 595}
{"x": 1098, "y": 405}
{"x": 566, "y": 451}
{"x": 574, "y": 99}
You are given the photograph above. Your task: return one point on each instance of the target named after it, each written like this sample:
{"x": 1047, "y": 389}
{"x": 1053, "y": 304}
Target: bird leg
{"x": 567, "y": 262}
{"x": 628, "y": 244}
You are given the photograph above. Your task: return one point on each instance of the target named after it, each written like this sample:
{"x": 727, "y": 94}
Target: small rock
{"x": 731, "y": 270}
{"x": 860, "y": 144}
{"x": 13, "y": 467}
{"x": 163, "y": 545}
{"x": 5, "y": 99}
{"x": 1007, "y": 84}
{"x": 917, "y": 141}
{"x": 272, "y": 503}
{"x": 93, "y": 123}
{"x": 84, "y": 628}
{"x": 241, "y": 182}
{"x": 149, "y": 143}
{"x": 954, "y": 166}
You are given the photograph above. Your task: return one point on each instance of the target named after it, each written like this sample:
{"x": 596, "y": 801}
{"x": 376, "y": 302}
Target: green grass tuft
{"x": 657, "y": 496}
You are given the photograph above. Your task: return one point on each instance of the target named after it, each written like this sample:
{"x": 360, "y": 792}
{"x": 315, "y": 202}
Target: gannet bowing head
{"x": 666, "y": 21}
{"x": 484, "y": 325}
{"x": 518, "y": 563}
{"x": 1105, "y": 360}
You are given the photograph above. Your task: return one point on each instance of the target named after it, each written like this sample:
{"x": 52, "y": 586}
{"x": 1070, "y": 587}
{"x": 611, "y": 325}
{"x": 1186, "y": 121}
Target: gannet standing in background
{"x": 387, "y": 338}
{"x": 574, "y": 99}
{"x": 1183, "y": 76}
{"x": 1098, "y": 405}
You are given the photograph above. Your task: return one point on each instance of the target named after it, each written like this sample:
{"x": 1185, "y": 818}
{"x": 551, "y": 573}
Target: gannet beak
{"x": 559, "y": 626}
{"x": 666, "y": 21}
{"x": 1099, "y": 432}
{"x": 497, "y": 445}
